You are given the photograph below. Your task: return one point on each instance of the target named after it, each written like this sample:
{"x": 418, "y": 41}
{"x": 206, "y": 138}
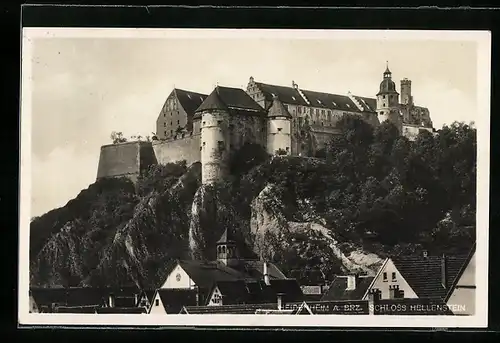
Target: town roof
{"x": 189, "y": 101}
{"x": 277, "y": 109}
{"x": 461, "y": 271}
{"x": 205, "y": 274}
{"x": 288, "y": 95}
{"x": 233, "y": 292}
{"x": 227, "y": 98}
{"x": 130, "y": 310}
{"x": 236, "y": 309}
{"x": 174, "y": 299}
{"x": 423, "y": 274}
{"x": 81, "y": 296}
{"x": 226, "y": 237}
{"x": 368, "y": 104}
{"x": 338, "y": 288}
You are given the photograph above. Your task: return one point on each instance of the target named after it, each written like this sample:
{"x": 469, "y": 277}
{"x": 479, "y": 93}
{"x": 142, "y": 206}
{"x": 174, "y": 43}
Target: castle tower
{"x": 278, "y": 128}
{"x": 406, "y": 98}
{"x": 388, "y": 101}
{"x": 214, "y": 142}
{"x": 227, "y": 251}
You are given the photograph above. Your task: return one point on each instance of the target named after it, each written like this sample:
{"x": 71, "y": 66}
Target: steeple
{"x": 227, "y": 251}
{"x": 277, "y": 109}
{"x": 387, "y": 72}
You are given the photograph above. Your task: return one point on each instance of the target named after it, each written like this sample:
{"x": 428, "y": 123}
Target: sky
{"x": 82, "y": 89}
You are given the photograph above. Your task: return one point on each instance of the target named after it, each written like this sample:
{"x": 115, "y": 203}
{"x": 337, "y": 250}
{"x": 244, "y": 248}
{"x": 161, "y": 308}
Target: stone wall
{"x": 170, "y": 151}
{"x": 125, "y": 159}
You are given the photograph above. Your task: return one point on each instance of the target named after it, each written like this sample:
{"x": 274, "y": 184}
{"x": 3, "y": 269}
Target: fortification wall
{"x": 187, "y": 148}
{"x": 125, "y": 159}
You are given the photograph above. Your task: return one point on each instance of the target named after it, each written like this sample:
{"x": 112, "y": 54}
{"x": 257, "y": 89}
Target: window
{"x": 334, "y": 103}
{"x": 219, "y": 122}
{"x": 164, "y": 124}
{"x": 384, "y": 277}
{"x": 203, "y": 123}
{"x": 383, "y": 97}
{"x": 393, "y": 276}
{"x": 384, "y": 104}
{"x": 177, "y": 122}
{"x": 299, "y": 109}
{"x": 293, "y": 98}
{"x": 317, "y": 112}
{"x": 157, "y": 302}
{"x": 322, "y": 124}
{"x": 381, "y": 112}
{"x": 279, "y": 129}
{"x": 348, "y": 106}
{"x": 171, "y": 132}
{"x": 322, "y": 112}
{"x": 165, "y": 133}
{"x": 221, "y": 146}
{"x": 401, "y": 294}
{"x": 319, "y": 101}
{"x": 204, "y": 143}
{"x": 170, "y": 122}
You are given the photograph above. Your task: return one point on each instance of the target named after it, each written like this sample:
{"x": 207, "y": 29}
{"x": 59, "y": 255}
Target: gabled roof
{"x": 330, "y": 101}
{"x": 205, "y": 274}
{"x": 368, "y": 104}
{"x": 227, "y": 98}
{"x": 338, "y": 288}
{"x": 423, "y": 274}
{"x": 174, "y": 299}
{"x": 288, "y": 288}
{"x": 190, "y": 101}
{"x": 461, "y": 272}
{"x": 233, "y": 292}
{"x": 227, "y": 237}
{"x": 277, "y": 109}
{"x": 288, "y": 95}
{"x": 148, "y": 294}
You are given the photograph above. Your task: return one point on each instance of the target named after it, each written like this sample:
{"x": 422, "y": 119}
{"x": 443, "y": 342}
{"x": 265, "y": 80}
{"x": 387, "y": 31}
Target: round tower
{"x": 388, "y": 100}
{"x": 214, "y": 142}
{"x": 279, "y": 139}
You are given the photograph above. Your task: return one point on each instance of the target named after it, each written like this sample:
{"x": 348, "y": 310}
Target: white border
{"x": 483, "y": 39}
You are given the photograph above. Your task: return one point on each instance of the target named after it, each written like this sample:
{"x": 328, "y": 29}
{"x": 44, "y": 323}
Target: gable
{"x": 178, "y": 278}
{"x": 468, "y": 277}
{"x": 157, "y": 306}
{"x": 384, "y": 279}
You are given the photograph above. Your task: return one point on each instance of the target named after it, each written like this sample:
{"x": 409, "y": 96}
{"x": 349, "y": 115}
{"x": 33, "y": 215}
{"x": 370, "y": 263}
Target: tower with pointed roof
{"x": 214, "y": 143}
{"x": 388, "y": 100}
{"x": 227, "y": 251}
{"x": 278, "y": 129}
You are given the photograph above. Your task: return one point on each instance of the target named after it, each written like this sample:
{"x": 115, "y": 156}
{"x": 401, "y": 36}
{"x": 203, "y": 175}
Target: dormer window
{"x": 273, "y": 95}
{"x": 293, "y": 98}
{"x": 348, "y": 106}
{"x": 334, "y": 103}
{"x": 279, "y": 129}
{"x": 189, "y": 96}
{"x": 319, "y": 101}
{"x": 201, "y": 98}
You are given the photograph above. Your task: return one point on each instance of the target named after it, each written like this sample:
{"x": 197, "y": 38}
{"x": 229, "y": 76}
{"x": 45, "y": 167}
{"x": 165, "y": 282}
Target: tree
{"x": 117, "y": 137}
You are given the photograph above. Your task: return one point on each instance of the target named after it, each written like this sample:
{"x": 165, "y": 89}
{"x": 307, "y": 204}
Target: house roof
{"x": 190, "y": 101}
{"x": 125, "y": 301}
{"x": 212, "y": 102}
{"x": 330, "y": 101}
{"x": 423, "y": 274}
{"x": 368, "y": 104}
{"x": 124, "y": 310}
{"x": 236, "y": 309}
{"x": 308, "y": 276}
{"x": 85, "y": 296}
{"x": 277, "y": 109}
{"x": 287, "y": 95}
{"x": 338, "y": 288}
{"x": 233, "y": 292}
{"x": 288, "y": 288}
{"x": 149, "y": 294}
{"x": 227, "y": 98}
{"x": 226, "y": 237}
{"x": 174, "y": 299}
{"x": 76, "y": 309}
{"x": 461, "y": 271}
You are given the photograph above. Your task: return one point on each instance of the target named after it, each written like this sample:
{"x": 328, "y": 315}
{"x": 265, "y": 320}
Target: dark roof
{"x": 308, "y": 276}
{"x": 368, "y": 104}
{"x": 289, "y": 288}
{"x": 423, "y": 274}
{"x": 236, "y": 98}
{"x": 236, "y": 309}
{"x": 125, "y": 301}
{"x": 338, "y": 291}
{"x": 85, "y": 296}
{"x": 206, "y": 274}
{"x": 233, "y": 292}
{"x": 149, "y": 294}
{"x": 330, "y": 101}
{"x": 212, "y": 102}
{"x": 227, "y": 236}
{"x": 132, "y": 310}
{"x": 190, "y": 101}
{"x": 277, "y": 109}
{"x": 461, "y": 271}
{"x": 76, "y": 309}
{"x": 288, "y": 95}
{"x": 174, "y": 299}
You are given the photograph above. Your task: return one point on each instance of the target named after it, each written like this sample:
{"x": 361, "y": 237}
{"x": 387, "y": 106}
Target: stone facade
{"x": 206, "y": 128}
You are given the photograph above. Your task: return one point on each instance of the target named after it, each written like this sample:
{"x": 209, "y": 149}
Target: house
{"x": 146, "y": 299}
{"x": 428, "y": 277}
{"x": 121, "y": 310}
{"x": 229, "y": 266}
{"x": 255, "y": 292}
{"x": 79, "y": 298}
{"x": 462, "y": 293}
{"x": 347, "y": 287}
{"x": 171, "y": 301}
{"x": 311, "y": 281}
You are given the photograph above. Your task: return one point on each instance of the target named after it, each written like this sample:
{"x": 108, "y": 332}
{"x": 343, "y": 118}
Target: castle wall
{"x": 411, "y": 131}
{"x": 244, "y": 128}
{"x": 125, "y": 159}
{"x": 170, "y": 151}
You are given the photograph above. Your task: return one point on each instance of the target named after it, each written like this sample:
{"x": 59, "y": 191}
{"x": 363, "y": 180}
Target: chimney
{"x": 136, "y": 299}
{"x": 351, "y": 282}
{"x": 111, "y": 300}
{"x": 280, "y": 301}
{"x": 266, "y": 275}
{"x": 373, "y": 297}
{"x": 425, "y": 253}
{"x": 444, "y": 272}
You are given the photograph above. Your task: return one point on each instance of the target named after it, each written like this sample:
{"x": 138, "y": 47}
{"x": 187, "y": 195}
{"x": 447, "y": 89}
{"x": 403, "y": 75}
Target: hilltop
{"x": 368, "y": 194}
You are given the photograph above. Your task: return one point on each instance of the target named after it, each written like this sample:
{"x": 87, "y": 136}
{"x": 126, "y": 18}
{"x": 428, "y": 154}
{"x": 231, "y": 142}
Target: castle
{"x": 285, "y": 120}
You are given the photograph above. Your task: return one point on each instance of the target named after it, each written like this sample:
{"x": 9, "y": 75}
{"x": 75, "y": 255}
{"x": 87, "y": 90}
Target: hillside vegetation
{"x": 368, "y": 194}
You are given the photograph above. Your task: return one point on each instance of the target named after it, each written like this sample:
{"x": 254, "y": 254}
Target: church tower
{"x": 388, "y": 101}
{"x": 227, "y": 251}
{"x": 278, "y": 128}
{"x": 214, "y": 142}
